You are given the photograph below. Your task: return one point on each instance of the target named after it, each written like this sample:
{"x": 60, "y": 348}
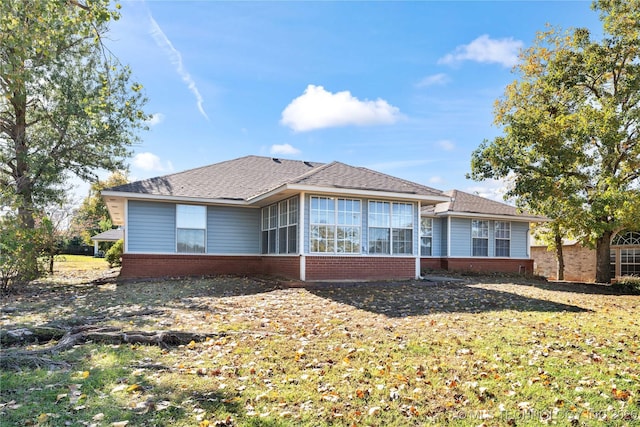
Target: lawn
{"x": 481, "y": 351}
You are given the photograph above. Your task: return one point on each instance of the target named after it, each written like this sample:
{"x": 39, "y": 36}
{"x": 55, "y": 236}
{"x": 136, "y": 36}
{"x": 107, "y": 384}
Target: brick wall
{"x": 431, "y": 264}
{"x": 146, "y": 266}
{"x": 359, "y": 268}
{"x": 489, "y": 265}
{"x": 579, "y": 263}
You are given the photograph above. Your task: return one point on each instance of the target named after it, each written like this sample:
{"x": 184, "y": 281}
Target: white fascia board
{"x": 162, "y": 198}
{"x": 350, "y": 192}
{"x": 490, "y": 217}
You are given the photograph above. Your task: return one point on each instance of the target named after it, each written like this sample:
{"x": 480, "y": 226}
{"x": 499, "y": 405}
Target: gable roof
{"x": 464, "y": 203}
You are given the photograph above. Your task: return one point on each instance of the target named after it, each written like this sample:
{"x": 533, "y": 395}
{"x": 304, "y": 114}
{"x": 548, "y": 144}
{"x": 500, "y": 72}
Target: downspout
{"x": 303, "y": 266}
{"x": 419, "y": 255}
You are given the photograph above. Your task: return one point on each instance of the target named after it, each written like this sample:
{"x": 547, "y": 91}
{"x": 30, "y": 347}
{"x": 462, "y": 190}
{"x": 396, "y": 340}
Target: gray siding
{"x": 460, "y": 237}
{"x": 151, "y": 227}
{"x": 519, "y": 239}
{"x": 232, "y": 230}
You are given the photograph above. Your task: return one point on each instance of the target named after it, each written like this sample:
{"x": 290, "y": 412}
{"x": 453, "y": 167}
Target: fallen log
{"x": 16, "y": 358}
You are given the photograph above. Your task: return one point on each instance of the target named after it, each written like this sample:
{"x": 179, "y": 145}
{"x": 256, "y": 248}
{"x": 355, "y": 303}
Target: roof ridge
{"x": 406, "y": 181}
{"x": 312, "y": 172}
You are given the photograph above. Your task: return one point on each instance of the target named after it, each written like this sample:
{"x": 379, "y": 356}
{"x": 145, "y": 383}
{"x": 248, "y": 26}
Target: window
{"x": 288, "y": 226}
{"x": 480, "y": 237}
{"x": 191, "y": 225}
{"x": 503, "y": 238}
{"x": 280, "y": 227}
{"x": 390, "y": 228}
{"x": 426, "y": 236}
{"x": 612, "y": 261}
{"x": 630, "y": 262}
{"x": 335, "y": 225}
{"x": 269, "y": 229}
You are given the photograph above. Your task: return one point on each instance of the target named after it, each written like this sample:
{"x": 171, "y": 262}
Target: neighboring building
{"x": 580, "y": 261}
{"x": 309, "y": 221}
{"x": 112, "y": 235}
{"x": 472, "y": 233}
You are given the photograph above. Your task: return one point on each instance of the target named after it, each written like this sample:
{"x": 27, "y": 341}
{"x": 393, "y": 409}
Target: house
{"x": 580, "y": 260}
{"x": 308, "y": 221}
{"x": 112, "y": 235}
{"x": 472, "y": 233}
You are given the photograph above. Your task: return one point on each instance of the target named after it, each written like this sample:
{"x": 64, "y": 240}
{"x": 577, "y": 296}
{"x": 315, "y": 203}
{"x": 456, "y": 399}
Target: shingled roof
{"x": 465, "y": 203}
{"x": 247, "y": 177}
{"x": 238, "y": 179}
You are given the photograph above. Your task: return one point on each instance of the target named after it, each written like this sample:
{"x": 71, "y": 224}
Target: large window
{"x": 280, "y": 227}
{"x": 191, "y": 225}
{"x": 480, "y": 237}
{"x": 503, "y": 238}
{"x": 335, "y": 225}
{"x": 426, "y": 236}
{"x": 630, "y": 262}
{"x": 390, "y": 228}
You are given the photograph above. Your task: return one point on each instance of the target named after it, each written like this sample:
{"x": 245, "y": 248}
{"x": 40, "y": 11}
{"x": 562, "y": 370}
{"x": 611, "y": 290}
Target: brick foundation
{"x": 489, "y": 265}
{"x": 431, "y": 264}
{"x": 359, "y": 268}
{"x": 146, "y": 266}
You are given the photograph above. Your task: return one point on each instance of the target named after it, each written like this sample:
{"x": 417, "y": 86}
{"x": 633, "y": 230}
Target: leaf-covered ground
{"x": 492, "y": 351}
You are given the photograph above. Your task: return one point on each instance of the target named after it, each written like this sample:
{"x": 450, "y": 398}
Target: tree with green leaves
{"x": 68, "y": 107}
{"x": 571, "y": 129}
{"x": 92, "y": 217}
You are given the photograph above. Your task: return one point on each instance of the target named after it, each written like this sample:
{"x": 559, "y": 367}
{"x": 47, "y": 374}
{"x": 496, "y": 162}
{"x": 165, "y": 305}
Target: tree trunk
{"x": 603, "y": 258}
{"x": 21, "y": 172}
{"x": 559, "y": 254}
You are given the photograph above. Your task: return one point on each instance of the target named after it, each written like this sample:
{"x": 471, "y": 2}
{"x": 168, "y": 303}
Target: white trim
{"x": 514, "y": 218}
{"x": 126, "y": 227}
{"x": 417, "y": 255}
{"x": 301, "y": 226}
{"x": 348, "y": 191}
{"x": 197, "y": 200}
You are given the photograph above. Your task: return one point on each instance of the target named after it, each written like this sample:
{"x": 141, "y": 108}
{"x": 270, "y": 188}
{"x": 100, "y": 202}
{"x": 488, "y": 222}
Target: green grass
{"x": 390, "y": 354}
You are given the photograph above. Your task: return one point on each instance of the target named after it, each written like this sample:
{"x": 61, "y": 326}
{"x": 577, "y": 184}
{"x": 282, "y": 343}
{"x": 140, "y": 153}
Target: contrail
{"x": 176, "y": 59}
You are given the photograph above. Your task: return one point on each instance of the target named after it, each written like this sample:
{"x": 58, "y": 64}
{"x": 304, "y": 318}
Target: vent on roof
{"x": 308, "y": 164}
{"x": 275, "y": 159}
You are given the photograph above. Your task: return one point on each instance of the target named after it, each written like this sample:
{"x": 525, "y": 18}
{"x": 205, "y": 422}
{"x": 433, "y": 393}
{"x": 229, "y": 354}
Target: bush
{"x": 114, "y": 254}
{"x": 20, "y": 249}
{"x": 628, "y": 284}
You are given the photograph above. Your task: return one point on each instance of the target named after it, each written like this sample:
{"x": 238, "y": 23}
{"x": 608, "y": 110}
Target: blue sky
{"x": 405, "y": 88}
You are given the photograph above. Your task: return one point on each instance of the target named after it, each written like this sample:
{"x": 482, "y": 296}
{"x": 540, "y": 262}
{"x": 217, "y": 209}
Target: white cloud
{"x": 446, "y": 145}
{"x": 317, "y": 108}
{"x": 150, "y": 162}
{"x": 435, "y": 79}
{"x": 283, "y": 149}
{"x": 155, "y": 119}
{"x": 176, "y": 59}
{"x": 485, "y": 49}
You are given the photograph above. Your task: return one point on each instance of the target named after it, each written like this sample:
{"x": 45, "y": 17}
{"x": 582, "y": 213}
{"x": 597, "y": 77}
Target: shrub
{"x": 114, "y": 254}
{"x": 628, "y": 284}
{"x": 19, "y": 251}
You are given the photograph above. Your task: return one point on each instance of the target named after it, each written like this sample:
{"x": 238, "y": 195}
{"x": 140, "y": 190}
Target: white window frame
{"x": 479, "y": 233}
{"x": 502, "y": 237}
{"x": 426, "y": 232}
{"x": 392, "y": 224}
{"x": 337, "y": 226}
{"x": 181, "y": 225}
